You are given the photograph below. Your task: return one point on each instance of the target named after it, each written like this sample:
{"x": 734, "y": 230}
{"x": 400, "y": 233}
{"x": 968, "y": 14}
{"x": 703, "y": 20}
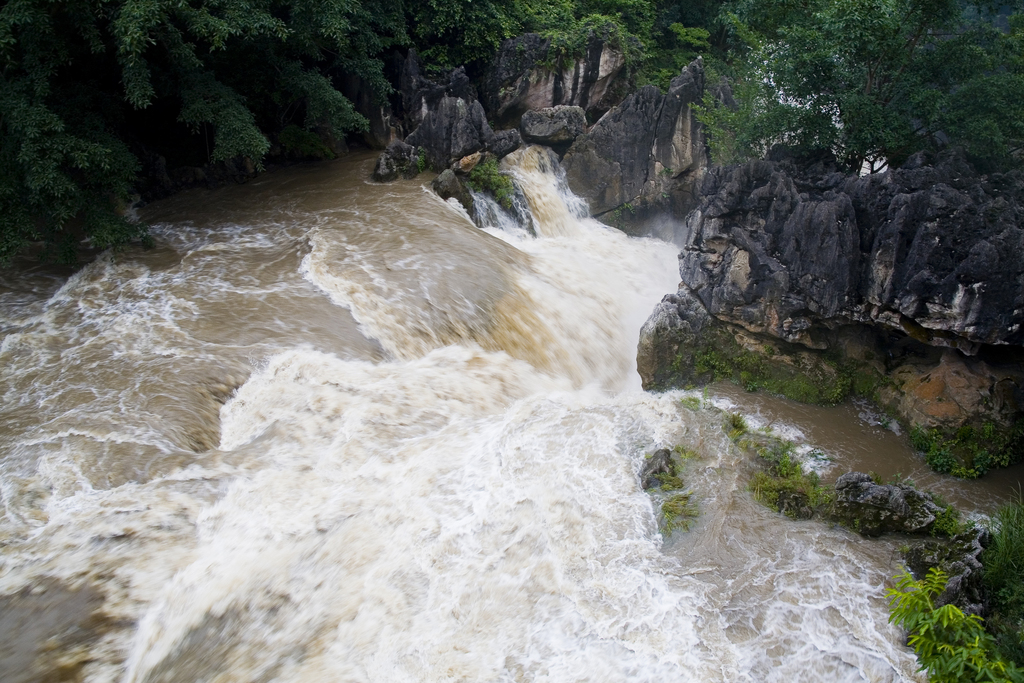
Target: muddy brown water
{"x": 331, "y": 430}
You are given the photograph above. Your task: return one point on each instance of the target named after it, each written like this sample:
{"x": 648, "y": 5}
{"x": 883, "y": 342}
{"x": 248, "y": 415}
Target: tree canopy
{"x": 874, "y": 80}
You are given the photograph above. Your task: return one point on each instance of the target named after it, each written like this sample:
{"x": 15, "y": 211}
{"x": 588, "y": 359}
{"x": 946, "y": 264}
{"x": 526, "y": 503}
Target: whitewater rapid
{"x": 343, "y": 434}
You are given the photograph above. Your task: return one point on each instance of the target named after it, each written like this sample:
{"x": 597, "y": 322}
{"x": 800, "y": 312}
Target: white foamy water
{"x": 455, "y": 499}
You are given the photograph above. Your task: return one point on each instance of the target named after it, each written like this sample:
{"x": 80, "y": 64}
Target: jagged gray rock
{"x": 555, "y": 127}
{"x": 519, "y": 80}
{"x": 676, "y": 328}
{"x": 873, "y": 509}
{"x": 933, "y": 250}
{"x": 660, "y": 462}
{"x": 505, "y": 142}
{"x": 398, "y": 160}
{"x": 960, "y": 558}
{"x": 646, "y": 155}
{"x": 450, "y": 130}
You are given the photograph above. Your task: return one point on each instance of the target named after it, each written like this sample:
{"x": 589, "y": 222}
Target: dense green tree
{"x": 874, "y": 80}
{"x": 74, "y": 74}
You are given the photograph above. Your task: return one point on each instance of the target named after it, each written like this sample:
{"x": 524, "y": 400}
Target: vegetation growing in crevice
{"x": 970, "y": 451}
{"x": 819, "y": 380}
{"x": 677, "y": 506}
{"x": 486, "y": 177}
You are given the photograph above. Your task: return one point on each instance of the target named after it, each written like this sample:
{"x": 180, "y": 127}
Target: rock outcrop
{"x": 451, "y": 129}
{"x": 874, "y": 509}
{"x": 931, "y": 250}
{"x": 520, "y": 79}
{"x": 911, "y": 282}
{"x": 447, "y": 122}
{"x": 556, "y": 127}
{"x": 960, "y": 558}
{"x": 645, "y": 157}
{"x": 398, "y": 160}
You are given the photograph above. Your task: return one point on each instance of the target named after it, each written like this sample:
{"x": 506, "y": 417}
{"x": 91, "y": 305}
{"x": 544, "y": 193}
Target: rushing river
{"x": 329, "y": 430}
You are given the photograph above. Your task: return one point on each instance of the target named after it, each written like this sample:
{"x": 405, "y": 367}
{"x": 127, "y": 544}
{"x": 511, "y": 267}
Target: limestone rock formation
{"x": 555, "y": 127}
{"x": 645, "y": 157}
{"x": 660, "y": 462}
{"x": 520, "y": 80}
{"x": 960, "y": 558}
{"x": 931, "y": 250}
{"x": 398, "y": 160}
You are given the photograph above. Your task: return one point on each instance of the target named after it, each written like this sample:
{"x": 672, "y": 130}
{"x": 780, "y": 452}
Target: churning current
{"x": 329, "y": 430}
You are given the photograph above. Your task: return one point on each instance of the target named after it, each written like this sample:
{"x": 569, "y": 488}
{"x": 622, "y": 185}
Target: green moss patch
{"x": 781, "y": 484}
{"x": 806, "y": 376}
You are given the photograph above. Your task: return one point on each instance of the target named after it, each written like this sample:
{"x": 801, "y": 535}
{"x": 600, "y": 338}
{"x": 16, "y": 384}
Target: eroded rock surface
{"x": 520, "y": 79}
{"x": 934, "y": 251}
{"x": 873, "y": 509}
{"x": 646, "y": 156}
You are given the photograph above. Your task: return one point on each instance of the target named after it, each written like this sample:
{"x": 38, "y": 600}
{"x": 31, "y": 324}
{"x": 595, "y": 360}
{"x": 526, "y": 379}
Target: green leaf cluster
{"x": 950, "y": 645}
{"x": 872, "y": 81}
{"x": 86, "y": 84}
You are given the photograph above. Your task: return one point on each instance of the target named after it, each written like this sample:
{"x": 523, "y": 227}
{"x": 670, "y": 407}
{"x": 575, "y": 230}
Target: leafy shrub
{"x": 486, "y": 177}
{"x": 969, "y": 452}
{"x": 950, "y": 645}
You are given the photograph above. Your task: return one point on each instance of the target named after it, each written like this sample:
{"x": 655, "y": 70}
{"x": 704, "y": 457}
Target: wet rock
{"x": 448, "y": 184}
{"x": 504, "y": 143}
{"x": 520, "y": 79}
{"x": 659, "y": 463}
{"x": 952, "y": 392}
{"x": 451, "y": 129}
{"x": 795, "y": 505}
{"x": 555, "y": 127}
{"x": 960, "y": 558}
{"x": 672, "y": 332}
{"x": 645, "y": 157}
{"x": 398, "y": 160}
{"x": 873, "y": 509}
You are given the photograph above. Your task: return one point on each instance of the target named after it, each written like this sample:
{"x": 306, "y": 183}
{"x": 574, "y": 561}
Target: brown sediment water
{"x": 331, "y": 430}
{"x": 857, "y": 437}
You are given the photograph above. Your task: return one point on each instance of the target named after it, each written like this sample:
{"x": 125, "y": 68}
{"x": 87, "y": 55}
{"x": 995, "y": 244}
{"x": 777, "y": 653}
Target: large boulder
{"x": 645, "y": 157}
{"x": 960, "y": 558}
{"x": 555, "y": 127}
{"x": 521, "y": 78}
{"x": 873, "y": 509}
{"x": 399, "y": 160}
